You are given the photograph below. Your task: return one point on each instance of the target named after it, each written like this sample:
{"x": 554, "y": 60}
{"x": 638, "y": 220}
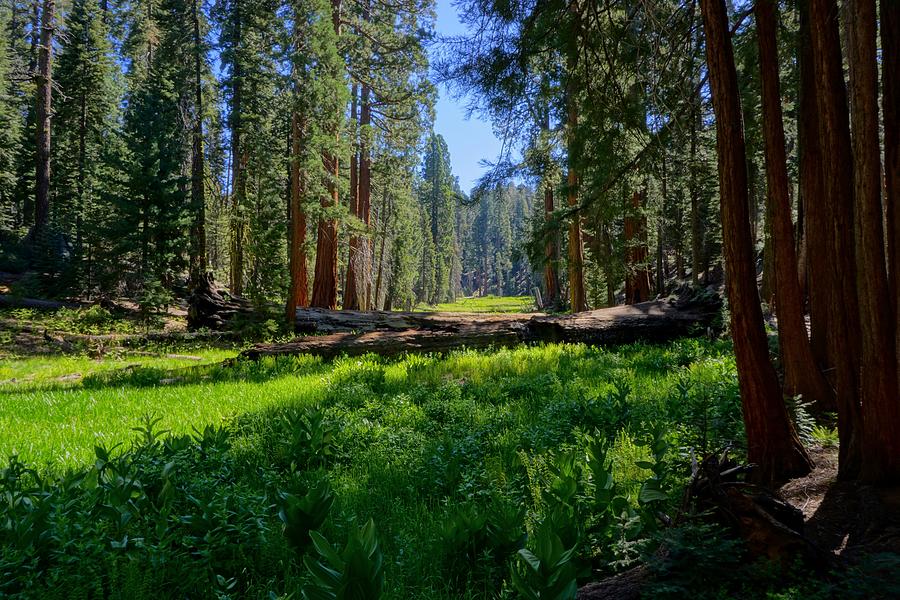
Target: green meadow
{"x": 204, "y": 479}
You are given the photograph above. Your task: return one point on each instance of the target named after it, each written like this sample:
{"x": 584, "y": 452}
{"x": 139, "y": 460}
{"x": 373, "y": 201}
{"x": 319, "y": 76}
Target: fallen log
{"x": 7, "y": 300}
{"x": 390, "y": 334}
{"x": 323, "y": 321}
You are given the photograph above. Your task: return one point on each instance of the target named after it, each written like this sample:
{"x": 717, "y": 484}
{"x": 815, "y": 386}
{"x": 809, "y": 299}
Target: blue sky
{"x": 469, "y": 140}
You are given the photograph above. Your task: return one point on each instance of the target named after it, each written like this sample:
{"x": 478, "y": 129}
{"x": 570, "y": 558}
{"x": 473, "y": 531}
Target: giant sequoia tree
{"x": 801, "y": 373}
{"x": 772, "y": 442}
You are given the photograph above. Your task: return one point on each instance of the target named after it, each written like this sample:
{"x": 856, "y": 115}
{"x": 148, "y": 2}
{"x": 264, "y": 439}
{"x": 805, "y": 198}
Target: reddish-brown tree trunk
{"x": 637, "y": 275}
{"x": 837, "y": 184}
{"x": 551, "y": 251}
{"x": 357, "y": 264}
{"x": 551, "y": 279}
{"x": 890, "y": 101}
{"x": 772, "y": 442}
{"x": 198, "y": 264}
{"x": 384, "y": 218}
{"x": 298, "y": 290}
{"x": 351, "y": 298}
{"x": 576, "y": 244}
{"x": 325, "y": 282}
{"x": 43, "y": 111}
{"x": 801, "y": 373}
{"x": 812, "y": 197}
{"x": 880, "y": 438}
{"x": 326, "y": 276}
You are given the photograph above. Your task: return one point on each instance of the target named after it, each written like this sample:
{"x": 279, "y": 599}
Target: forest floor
{"x": 844, "y": 518}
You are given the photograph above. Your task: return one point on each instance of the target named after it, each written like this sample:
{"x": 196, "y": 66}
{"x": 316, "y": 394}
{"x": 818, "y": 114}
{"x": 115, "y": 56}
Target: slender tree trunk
{"x": 325, "y": 283}
{"x": 385, "y": 219}
{"x": 357, "y": 267}
{"x": 364, "y": 266}
{"x": 661, "y": 234}
{"x": 82, "y": 170}
{"x": 878, "y": 377}
{"x": 697, "y": 232}
{"x": 576, "y": 245}
{"x": 607, "y": 249}
{"x": 772, "y": 442}
{"x": 812, "y": 197}
{"x": 44, "y": 112}
{"x": 238, "y": 176}
{"x": 551, "y": 251}
{"x": 551, "y": 278}
{"x": 299, "y": 286}
{"x": 801, "y": 373}
{"x": 837, "y": 183}
{"x": 637, "y": 276}
{"x": 351, "y": 297}
{"x": 198, "y": 264}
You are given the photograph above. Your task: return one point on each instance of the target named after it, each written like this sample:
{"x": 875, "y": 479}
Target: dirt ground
{"x": 845, "y": 518}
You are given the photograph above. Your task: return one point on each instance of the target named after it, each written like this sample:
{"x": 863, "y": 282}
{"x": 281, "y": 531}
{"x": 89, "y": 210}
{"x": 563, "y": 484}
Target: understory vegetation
{"x": 510, "y": 473}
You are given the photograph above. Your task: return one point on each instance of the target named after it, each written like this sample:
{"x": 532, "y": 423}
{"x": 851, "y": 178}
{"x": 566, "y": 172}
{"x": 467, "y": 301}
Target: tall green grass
{"x": 404, "y": 442}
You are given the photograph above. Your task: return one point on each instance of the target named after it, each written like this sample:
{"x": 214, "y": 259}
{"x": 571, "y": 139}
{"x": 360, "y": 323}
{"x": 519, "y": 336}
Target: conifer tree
{"x": 86, "y": 131}
{"x": 10, "y": 128}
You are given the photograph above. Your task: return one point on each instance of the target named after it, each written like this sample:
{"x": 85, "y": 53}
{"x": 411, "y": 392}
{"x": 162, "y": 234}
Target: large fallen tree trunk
{"x": 7, "y": 300}
{"x": 321, "y": 320}
{"x": 398, "y": 333}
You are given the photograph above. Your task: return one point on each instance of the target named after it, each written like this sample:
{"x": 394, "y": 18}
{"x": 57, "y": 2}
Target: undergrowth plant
{"x": 556, "y": 463}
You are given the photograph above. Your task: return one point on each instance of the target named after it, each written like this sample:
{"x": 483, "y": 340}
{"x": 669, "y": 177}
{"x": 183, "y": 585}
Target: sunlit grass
{"x": 414, "y": 436}
{"x": 484, "y": 304}
{"x": 20, "y": 373}
{"x": 47, "y": 416}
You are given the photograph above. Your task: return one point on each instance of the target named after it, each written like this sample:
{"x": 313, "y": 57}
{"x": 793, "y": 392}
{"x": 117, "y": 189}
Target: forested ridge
{"x": 273, "y": 171}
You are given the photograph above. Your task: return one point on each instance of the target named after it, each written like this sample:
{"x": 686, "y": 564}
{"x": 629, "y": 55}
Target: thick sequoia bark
{"x": 880, "y": 438}
{"x": 772, "y": 442}
{"x": 198, "y": 263}
{"x": 358, "y": 261}
{"x": 325, "y": 282}
{"x": 890, "y": 94}
{"x": 299, "y": 286}
{"x": 801, "y": 373}
{"x": 326, "y": 276}
{"x": 389, "y": 333}
{"x": 637, "y": 275}
{"x": 840, "y": 291}
{"x": 812, "y": 197}
{"x": 43, "y": 111}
